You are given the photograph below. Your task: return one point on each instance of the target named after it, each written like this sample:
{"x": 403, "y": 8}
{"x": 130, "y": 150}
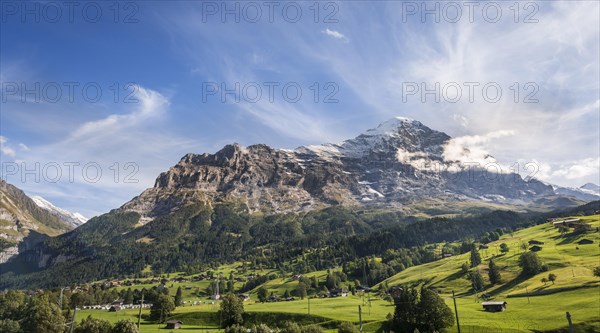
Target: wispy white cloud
{"x": 335, "y": 34}
{"x": 576, "y": 169}
{"x": 559, "y": 55}
{"x": 23, "y": 147}
{"x": 5, "y": 149}
{"x": 137, "y": 137}
{"x": 151, "y": 104}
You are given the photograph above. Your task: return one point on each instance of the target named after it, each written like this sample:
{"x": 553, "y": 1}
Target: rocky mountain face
{"x": 400, "y": 161}
{"x": 23, "y": 223}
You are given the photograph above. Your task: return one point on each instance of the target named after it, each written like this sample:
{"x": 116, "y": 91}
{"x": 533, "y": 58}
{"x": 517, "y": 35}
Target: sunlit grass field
{"x": 532, "y": 305}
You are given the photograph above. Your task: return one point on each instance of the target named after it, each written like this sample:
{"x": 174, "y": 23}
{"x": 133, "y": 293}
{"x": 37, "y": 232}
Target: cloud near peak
{"x": 472, "y": 148}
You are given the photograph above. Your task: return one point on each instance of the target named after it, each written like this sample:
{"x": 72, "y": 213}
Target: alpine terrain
{"x": 23, "y": 223}
{"x": 227, "y": 205}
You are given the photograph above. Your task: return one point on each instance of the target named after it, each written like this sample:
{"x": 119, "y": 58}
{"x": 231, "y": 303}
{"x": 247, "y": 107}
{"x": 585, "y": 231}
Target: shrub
{"x": 347, "y": 327}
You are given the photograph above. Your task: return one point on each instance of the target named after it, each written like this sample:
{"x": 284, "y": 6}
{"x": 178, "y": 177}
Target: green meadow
{"x": 533, "y": 306}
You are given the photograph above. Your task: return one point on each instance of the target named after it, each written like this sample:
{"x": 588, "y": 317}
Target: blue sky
{"x": 364, "y": 58}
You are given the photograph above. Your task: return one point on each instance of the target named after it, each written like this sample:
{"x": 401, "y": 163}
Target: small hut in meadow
{"x": 494, "y": 306}
{"x": 174, "y": 324}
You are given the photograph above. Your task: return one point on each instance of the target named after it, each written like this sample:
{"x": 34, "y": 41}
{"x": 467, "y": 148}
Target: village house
{"x": 571, "y": 223}
{"x": 338, "y": 292}
{"x": 494, "y": 306}
{"x": 174, "y": 324}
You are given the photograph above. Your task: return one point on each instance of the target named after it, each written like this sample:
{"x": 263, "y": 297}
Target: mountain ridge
{"x": 241, "y": 201}
{"x": 23, "y": 223}
{"x": 400, "y": 160}
{"x": 73, "y": 219}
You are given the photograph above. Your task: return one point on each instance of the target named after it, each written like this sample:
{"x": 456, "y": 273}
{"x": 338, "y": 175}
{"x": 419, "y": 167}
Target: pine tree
{"x": 301, "y": 290}
{"x": 128, "y": 299}
{"x": 262, "y": 294}
{"x": 475, "y": 257}
{"x": 178, "y": 297}
{"x": 494, "y": 272}
{"x": 476, "y": 281}
{"x": 434, "y": 314}
{"x": 314, "y": 282}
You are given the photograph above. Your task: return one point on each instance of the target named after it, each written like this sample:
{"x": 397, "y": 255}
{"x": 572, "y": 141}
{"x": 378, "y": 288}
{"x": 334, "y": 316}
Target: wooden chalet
{"x": 494, "y": 306}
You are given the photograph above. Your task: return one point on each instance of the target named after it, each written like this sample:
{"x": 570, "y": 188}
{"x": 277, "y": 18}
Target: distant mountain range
{"x": 591, "y": 188}
{"x": 73, "y": 219}
{"x": 587, "y": 192}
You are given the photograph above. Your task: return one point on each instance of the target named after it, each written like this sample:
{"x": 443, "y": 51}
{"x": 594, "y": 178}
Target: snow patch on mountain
{"x": 591, "y": 189}
{"x": 586, "y": 194}
{"x": 390, "y": 127}
{"x": 325, "y": 150}
{"x": 73, "y": 219}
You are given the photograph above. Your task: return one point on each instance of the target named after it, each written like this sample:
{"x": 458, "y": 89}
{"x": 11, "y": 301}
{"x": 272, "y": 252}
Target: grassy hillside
{"x": 575, "y": 290}
{"x": 532, "y": 305}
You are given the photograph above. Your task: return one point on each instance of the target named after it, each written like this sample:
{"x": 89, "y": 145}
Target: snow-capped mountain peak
{"x": 390, "y": 127}
{"x": 73, "y": 219}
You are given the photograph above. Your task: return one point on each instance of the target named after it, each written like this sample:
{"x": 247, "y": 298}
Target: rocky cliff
{"x": 401, "y": 160}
